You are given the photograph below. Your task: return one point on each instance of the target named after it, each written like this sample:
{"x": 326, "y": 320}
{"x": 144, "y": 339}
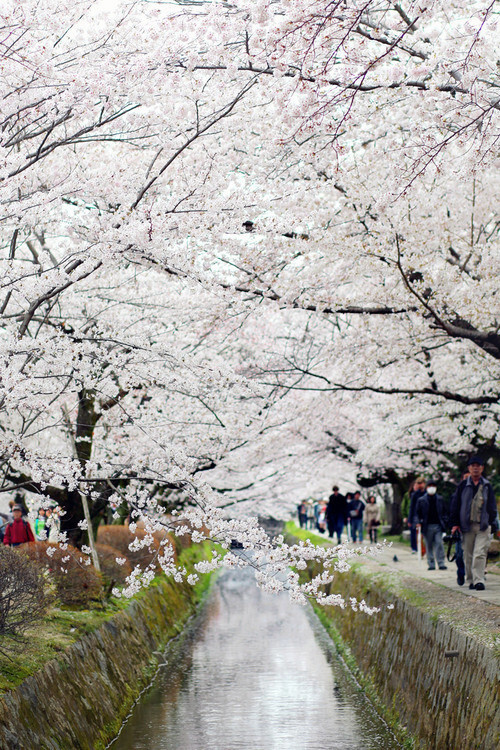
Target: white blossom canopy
{"x": 243, "y": 240}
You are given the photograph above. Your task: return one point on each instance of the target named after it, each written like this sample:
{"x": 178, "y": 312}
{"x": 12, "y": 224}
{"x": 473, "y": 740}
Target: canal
{"x": 253, "y": 672}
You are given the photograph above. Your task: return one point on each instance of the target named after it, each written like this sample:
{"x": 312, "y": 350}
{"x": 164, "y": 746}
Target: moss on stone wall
{"x": 403, "y": 657}
{"x": 79, "y": 699}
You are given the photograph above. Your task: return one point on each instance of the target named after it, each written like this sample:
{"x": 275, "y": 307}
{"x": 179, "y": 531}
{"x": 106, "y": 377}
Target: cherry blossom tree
{"x": 241, "y": 241}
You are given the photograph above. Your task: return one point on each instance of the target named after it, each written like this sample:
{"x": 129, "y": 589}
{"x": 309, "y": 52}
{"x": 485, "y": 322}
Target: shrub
{"x": 120, "y": 537}
{"x": 112, "y": 570}
{"x": 23, "y": 596}
{"x": 76, "y": 584}
{"x": 160, "y": 536}
{"x": 184, "y": 541}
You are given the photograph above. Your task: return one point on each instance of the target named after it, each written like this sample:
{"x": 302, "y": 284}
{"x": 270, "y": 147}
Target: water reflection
{"x": 256, "y": 672}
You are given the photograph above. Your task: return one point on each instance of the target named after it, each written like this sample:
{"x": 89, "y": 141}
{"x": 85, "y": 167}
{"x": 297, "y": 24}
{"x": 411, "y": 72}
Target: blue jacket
{"x": 462, "y": 500}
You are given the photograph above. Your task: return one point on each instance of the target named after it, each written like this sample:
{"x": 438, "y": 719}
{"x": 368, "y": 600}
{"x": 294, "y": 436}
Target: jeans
{"x": 413, "y": 537}
{"x": 357, "y": 529}
{"x": 434, "y": 544}
{"x": 336, "y": 526}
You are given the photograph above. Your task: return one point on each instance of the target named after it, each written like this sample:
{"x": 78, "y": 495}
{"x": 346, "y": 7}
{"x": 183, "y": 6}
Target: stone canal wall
{"x": 79, "y": 699}
{"x": 432, "y": 662}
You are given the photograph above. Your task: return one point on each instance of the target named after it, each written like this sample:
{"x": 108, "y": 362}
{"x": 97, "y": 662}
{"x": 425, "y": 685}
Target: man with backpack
{"x": 18, "y": 531}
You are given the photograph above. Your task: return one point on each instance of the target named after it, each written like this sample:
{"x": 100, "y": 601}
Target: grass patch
{"x": 315, "y": 537}
{"x": 58, "y": 630}
{"x": 306, "y": 534}
{"x": 396, "y": 538}
{"x": 62, "y": 627}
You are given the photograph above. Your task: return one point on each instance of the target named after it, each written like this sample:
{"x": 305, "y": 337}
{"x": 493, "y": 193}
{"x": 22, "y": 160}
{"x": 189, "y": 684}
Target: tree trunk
{"x": 399, "y": 485}
{"x": 396, "y": 517}
{"x": 73, "y": 513}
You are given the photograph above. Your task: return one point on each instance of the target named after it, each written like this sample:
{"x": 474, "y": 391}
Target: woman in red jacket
{"x": 18, "y": 531}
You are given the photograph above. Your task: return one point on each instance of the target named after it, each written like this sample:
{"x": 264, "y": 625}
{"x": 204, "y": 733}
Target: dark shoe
{"x": 429, "y": 568}
{"x": 479, "y": 586}
{"x": 460, "y": 580}
{"x": 471, "y": 586}
{"x": 443, "y": 567}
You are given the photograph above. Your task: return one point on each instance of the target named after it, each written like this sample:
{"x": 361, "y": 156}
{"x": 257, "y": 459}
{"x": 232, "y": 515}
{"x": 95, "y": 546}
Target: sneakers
{"x": 479, "y": 586}
{"x": 471, "y": 586}
{"x": 443, "y": 567}
{"x": 431, "y": 568}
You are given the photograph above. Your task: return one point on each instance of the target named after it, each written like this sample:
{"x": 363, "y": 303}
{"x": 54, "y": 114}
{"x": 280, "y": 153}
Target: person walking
{"x": 348, "y": 499}
{"x": 431, "y": 515}
{"x": 3, "y": 525}
{"x": 355, "y": 510}
{"x": 18, "y": 531}
{"x": 417, "y": 492}
{"x": 474, "y": 514}
{"x": 322, "y": 517}
{"x": 302, "y": 513}
{"x": 317, "y": 509}
{"x": 40, "y": 521}
{"x": 458, "y": 557}
{"x": 311, "y": 519}
{"x": 372, "y": 518}
{"x": 336, "y": 514}
{"x": 53, "y": 525}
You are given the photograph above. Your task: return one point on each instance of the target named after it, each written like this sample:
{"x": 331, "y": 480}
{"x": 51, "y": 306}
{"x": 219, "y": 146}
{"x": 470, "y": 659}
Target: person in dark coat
{"x": 474, "y": 514}
{"x": 18, "y": 531}
{"x": 431, "y": 515}
{"x": 336, "y": 514}
{"x": 417, "y": 492}
{"x": 348, "y": 498}
{"x": 355, "y": 509}
{"x": 302, "y": 513}
{"x": 459, "y": 552}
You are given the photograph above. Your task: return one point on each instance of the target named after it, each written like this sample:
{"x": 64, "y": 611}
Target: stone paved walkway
{"x": 409, "y": 564}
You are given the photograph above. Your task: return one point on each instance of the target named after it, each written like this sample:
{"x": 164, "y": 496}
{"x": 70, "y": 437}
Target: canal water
{"x": 254, "y": 672}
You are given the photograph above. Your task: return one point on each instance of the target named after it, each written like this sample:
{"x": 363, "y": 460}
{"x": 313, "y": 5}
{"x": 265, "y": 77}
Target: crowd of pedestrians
{"x": 16, "y": 527}
{"x": 470, "y": 514}
{"x": 341, "y": 512}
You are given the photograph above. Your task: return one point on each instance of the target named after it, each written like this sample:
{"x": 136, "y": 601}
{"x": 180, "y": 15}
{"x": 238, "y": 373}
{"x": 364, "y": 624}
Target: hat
{"x": 475, "y": 460}
{"x": 432, "y": 483}
{"x": 16, "y": 507}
